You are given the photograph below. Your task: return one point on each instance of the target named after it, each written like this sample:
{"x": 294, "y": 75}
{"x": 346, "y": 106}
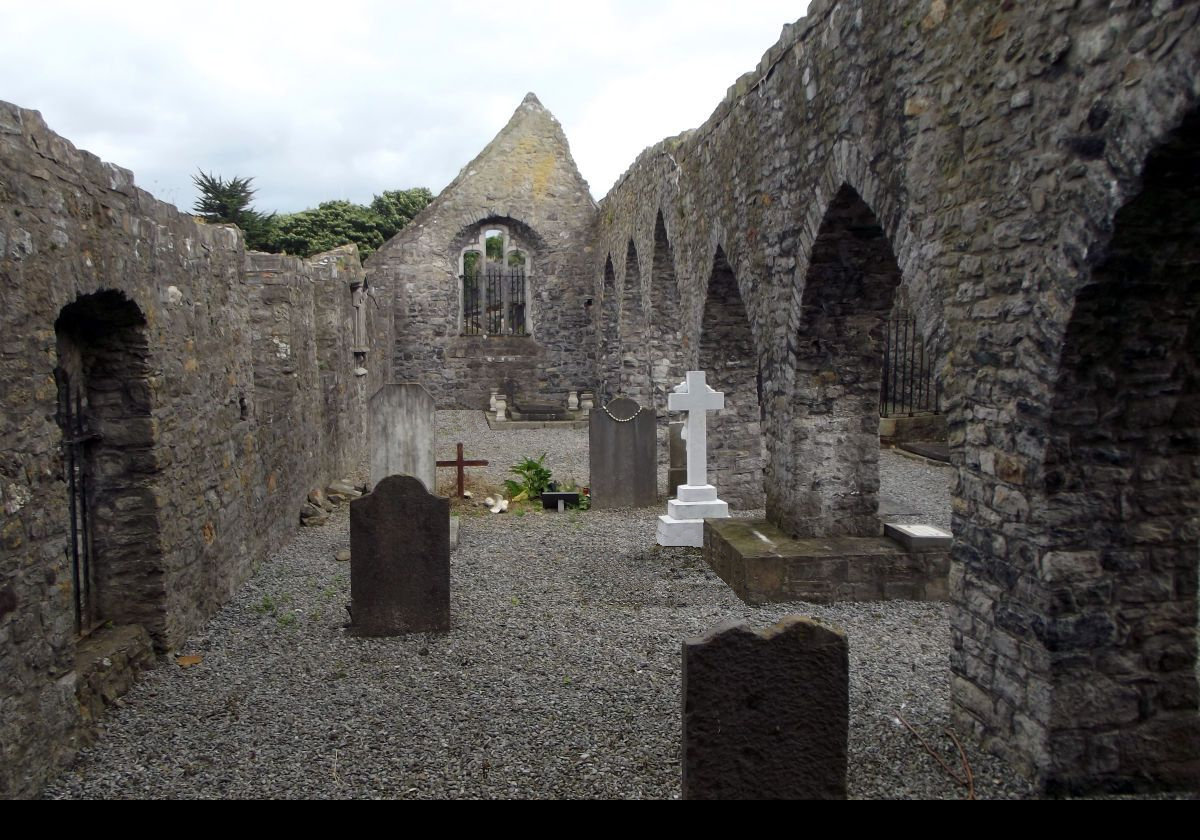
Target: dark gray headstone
{"x": 621, "y": 439}
{"x": 677, "y": 456}
{"x": 399, "y": 560}
{"x": 766, "y": 715}
{"x": 402, "y": 433}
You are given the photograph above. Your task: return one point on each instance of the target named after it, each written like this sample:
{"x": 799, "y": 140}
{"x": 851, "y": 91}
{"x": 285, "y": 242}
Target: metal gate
{"x": 76, "y": 437}
{"x": 908, "y": 387}
{"x": 494, "y": 301}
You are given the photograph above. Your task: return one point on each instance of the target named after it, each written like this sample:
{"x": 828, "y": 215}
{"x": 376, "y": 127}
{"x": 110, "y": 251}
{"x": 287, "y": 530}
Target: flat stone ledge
{"x": 763, "y": 565}
{"x": 107, "y": 664}
{"x": 533, "y": 424}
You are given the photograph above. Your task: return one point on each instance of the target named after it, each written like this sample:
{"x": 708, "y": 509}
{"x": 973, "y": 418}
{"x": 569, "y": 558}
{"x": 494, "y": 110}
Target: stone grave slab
{"x": 402, "y": 434}
{"x": 766, "y": 715}
{"x": 399, "y": 560}
{"x": 621, "y": 441}
{"x": 762, "y": 565}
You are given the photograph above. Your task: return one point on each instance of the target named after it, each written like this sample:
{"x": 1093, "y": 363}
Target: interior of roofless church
{"x": 849, "y": 447}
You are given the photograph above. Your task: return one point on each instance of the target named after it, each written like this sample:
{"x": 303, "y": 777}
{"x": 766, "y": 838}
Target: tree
{"x": 328, "y": 225}
{"x": 228, "y": 202}
{"x": 396, "y": 208}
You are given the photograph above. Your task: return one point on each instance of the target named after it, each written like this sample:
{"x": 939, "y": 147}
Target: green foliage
{"x": 534, "y": 478}
{"x": 396, "y": 208}
{"x": 471, "y": 263}
{"x": 328, "y": 225}
{"x": 312, "y": 231}
{"x": 495, "y": 247}
{"x": 228, "y": 202}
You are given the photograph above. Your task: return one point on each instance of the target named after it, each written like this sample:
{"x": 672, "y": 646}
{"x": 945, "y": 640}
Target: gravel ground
{"x": 561, "y": 677}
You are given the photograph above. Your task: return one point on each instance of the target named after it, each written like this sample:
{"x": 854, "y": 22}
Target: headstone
{"x": 766, "y": 715}
{"x": 403, "y": 431}
{"x": 621, "y": 439}
{"x": 399, "y": 560}
{"x": 676, "y": 457}
{"x": 696, "y": 500}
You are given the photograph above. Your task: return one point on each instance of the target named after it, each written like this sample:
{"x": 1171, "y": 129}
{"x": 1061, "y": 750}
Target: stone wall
{"x": 971, "y": 158}
{"x": 526, "y": 183}
{"x": 206, "y": 435}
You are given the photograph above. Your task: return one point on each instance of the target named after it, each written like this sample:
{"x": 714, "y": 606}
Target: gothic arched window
{"x": 494, "y": 273}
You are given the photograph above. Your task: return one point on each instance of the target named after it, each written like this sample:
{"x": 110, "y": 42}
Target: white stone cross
{"x": 697, "y": 399}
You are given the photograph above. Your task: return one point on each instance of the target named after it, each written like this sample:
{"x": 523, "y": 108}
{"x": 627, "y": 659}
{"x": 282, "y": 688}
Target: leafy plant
{"x": 534, "y": 478}
{"x": 228, "y": 202}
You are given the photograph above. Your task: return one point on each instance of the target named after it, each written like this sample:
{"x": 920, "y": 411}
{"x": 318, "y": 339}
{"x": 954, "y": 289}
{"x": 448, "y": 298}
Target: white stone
{"x": 688, "y": 532}
{"x": 696, "y": 500}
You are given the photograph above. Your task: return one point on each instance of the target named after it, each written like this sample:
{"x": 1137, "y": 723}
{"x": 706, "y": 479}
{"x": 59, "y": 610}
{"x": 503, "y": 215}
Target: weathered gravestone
{"x": 766, "y": 715}
{"x": 403, "y": 431}
{"x": 621, "y": 440}
{"x": 399, "y": 560}
{"x": 676, "y": 456}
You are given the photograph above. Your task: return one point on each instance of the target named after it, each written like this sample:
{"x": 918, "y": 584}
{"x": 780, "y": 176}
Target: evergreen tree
{"x": 228, "y": 202}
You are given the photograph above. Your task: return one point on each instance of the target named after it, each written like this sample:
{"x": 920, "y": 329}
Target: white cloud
{"x": 319, "y": 101}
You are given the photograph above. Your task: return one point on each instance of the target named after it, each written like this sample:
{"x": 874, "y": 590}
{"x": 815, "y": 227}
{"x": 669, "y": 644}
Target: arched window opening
{"x": 494, "y": 274}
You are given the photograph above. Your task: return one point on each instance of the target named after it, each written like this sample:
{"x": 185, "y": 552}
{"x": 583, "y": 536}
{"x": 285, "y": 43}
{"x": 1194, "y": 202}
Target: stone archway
{"x": 635, "y": 369}
{"x": 668, "y": 345}
{"x": 848, "y": 292}
{"x": 1115, "y": 699}
{"x": 608, "y": 365}
{"x": 105, "y": 407}
{"x": 736, "y": 445}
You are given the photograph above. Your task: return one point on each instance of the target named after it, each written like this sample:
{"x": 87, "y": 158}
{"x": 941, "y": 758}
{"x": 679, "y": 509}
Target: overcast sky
{"x": 345, "y": 99}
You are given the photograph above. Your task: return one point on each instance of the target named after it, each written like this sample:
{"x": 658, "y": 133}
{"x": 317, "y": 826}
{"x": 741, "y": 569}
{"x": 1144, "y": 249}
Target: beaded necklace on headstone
{"x": 633, "y": 416}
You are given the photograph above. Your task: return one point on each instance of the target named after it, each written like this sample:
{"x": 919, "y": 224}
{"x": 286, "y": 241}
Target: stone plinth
{"x": 763, "y": 565}
{"x": 766, "y": 715}
{"x": 684, "y": 522}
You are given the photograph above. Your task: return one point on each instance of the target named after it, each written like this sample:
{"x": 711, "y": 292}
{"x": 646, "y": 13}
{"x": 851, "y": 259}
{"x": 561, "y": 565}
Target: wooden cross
{"x": 460, "y": 463}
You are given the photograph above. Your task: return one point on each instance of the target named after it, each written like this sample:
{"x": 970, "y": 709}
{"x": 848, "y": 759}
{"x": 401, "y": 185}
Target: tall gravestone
{"x": 399, "y": 560}
{"x": 621, "y": 441}
{"x": 403, "y": 434}
{"x": 766, "y": 715}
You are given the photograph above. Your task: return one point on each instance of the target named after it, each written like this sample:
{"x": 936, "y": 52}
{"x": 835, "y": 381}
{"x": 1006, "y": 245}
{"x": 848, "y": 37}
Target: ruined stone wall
{"x": 985, "y": 150}
{"x": 157, "y": 315}
{"x": 526, "y": 182}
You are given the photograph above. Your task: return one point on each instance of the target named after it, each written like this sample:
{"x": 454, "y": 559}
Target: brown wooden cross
{"x": 460, "y": 463}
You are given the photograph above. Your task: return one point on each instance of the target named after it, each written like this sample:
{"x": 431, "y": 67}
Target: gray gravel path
{"x": 559, "y": 679}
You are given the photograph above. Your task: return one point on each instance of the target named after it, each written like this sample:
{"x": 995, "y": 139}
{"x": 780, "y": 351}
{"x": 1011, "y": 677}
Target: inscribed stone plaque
{"x": 403, "y": 430}
{"x": 621, "y": 440}
{"x": 399, "y": 560}
{"x": 766, "y": 715}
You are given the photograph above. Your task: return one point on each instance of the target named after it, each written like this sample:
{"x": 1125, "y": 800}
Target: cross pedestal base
{"x": 684, "y": 522}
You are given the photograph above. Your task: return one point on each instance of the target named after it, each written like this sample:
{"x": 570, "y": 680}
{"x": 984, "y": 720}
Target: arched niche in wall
{"x": 634, "y": 375}
{"x": 737, "y": 448}
{"x": 110, "y": 465}
{"x": 847, "y": 295}
{"x": 1119, "y": 522}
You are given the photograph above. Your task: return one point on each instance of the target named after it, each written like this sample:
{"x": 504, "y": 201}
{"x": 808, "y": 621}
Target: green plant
{"x": 287, "y": 619}
{"x": 585, "y": 501}
{"x": 534, "y": 478}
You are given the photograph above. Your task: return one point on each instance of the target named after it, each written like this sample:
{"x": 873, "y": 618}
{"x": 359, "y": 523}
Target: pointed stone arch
{"x": 634, "y": 376}
{"x": 106, "y": 402}
{"x": 847, "y": 292}
{"x": 728, "y": 356}
{"x": 609, "y": 336}
{"x": 668, "y": 343}
{"x": 1093, "y": 656}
